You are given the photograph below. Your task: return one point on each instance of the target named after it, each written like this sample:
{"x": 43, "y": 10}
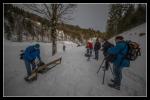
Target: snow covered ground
{"x": 75, "y": 76}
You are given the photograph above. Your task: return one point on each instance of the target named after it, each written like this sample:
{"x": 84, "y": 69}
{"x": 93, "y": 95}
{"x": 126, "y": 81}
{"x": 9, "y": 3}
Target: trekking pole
{"x": 100, "y": 66}
{"x": 103, "y": 76}
{"x": 111, "y": 70}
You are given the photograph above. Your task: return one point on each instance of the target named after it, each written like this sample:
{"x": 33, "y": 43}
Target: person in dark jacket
{"x": 64, "y": 47}
{"x": 105, "y": 46}
{"x": 120, "y": 50}
{"x": 97, "y": 47}
{"x": 30, "y": 54}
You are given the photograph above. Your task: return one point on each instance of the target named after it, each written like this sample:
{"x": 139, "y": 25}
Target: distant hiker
{"x": 120, "y": 50}
{"x": 105, "y": 46}
{"x": 89, "y": 48}
{"x": 64, "y": 47}
{"x": 31, "y": 54}
{"x": 97, "y": 47}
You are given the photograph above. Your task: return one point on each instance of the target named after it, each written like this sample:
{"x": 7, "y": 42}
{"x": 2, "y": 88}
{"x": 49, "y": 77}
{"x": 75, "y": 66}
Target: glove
{"x": 33, "y": 62}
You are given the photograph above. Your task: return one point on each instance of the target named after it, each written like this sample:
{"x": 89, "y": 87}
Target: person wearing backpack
{"x": 119, "y": 50}
{"x": 97, "y": 46}
{"x": 31, "y": 54}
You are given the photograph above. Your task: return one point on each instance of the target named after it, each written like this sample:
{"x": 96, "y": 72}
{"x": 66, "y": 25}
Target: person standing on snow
{"x": 97, "y": 46}
{"x": 105, "y": 46}
{"x": 64, "y": 47}
{"x": 90, "y": 48}
{"x": 31, "y": 53}
{"x": 120, "y": 50}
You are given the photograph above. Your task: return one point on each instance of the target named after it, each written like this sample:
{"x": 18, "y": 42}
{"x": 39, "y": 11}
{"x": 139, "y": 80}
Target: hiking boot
{"x": 104, "y": 68}
{"x": 112, "y": 80}
{"x": 114, "y": 86}
{"x": 26, "y": 78}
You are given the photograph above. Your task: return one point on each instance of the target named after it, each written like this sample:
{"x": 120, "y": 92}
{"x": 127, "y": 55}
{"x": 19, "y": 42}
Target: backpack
{"x": 133, "y": 50}
{"x": 132, "y": 53}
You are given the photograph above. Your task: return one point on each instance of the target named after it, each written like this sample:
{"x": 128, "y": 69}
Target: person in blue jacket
{"x": 30, "y": 54}
{"x": 120, "y": 50}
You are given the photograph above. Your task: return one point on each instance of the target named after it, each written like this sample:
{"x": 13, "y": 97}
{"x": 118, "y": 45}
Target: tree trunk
{"x": 19, "y": 37}
{"x": 54, "y": 44}
{"x": 19, "y": 20}
{"x": 53, "y": 29}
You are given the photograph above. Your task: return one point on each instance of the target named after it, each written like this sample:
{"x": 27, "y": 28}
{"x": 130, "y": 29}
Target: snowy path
{"x": 75, "y": 76}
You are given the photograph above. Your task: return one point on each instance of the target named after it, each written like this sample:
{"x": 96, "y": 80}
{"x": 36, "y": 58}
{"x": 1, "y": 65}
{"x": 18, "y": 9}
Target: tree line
{"x": 122, "y": 17}
{"x": 21, "y": 20}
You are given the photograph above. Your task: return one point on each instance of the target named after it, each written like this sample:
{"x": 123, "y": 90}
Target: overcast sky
{"x": 90, "y": 16}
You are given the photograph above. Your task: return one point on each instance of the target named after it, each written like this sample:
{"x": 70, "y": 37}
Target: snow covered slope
{"x": 75, "y": 76}
{"x": 135, "y": 76}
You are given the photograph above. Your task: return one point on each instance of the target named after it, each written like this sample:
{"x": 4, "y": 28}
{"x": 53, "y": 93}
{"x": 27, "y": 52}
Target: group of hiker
{"x": 119, "y": 55}
{"x": 119, "y": 61}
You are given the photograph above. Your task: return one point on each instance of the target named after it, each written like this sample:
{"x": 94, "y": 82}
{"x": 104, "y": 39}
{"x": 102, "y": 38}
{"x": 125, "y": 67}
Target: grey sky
{"x": 89, "y": 16}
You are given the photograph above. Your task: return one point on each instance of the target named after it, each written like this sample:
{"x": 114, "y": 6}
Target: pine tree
{"x": 115, "y": 15}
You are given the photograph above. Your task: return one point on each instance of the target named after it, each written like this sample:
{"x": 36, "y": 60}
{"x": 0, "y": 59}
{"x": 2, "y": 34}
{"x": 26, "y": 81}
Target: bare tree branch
{"x": 48, "y": 10}
{"x": 33, "y": 7}
{"x": 66, "y": 10}
{"x": 54, "y": 13}
{"x": 40, "y": 9}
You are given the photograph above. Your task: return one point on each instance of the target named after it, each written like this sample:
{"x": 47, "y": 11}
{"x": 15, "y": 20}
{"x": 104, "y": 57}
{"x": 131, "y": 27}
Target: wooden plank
{"x": 52, "y": 62}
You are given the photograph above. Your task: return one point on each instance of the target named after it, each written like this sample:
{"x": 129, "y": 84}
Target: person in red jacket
{"x": 90, "y": 48}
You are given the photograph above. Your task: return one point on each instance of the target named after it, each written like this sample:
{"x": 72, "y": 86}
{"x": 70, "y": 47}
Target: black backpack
{"x": 133, "y": 50}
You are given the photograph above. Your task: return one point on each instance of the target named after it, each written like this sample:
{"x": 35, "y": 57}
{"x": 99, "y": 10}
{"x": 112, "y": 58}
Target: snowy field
{"x": 75, "y": 76}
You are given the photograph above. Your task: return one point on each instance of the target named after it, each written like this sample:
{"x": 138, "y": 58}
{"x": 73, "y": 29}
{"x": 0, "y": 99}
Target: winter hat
{"x": 119, "y": 38}
{"x": 90, "y": 40}
{"x": 37, "y": 45}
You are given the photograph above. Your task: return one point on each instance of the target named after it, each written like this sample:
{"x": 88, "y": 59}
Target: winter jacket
{"x": 31, "y": 53}
{"x": 97, "y": 46}
{"x": 120, "y": 50}
{"x": 90, "y": 45}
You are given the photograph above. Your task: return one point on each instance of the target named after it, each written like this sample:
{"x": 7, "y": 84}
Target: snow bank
{"x": 134, "y": 77}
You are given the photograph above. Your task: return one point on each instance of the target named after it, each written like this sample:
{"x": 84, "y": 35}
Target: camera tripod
{"x": 108, "y": 65}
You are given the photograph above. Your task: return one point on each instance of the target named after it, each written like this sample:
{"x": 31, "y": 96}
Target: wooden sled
{"x": 54, "y": 60}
